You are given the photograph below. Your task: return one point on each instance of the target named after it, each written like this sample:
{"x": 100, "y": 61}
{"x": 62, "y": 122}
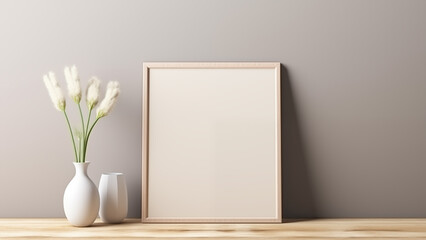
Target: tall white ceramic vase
{"x": 81, "y": 198}
{"x": 113, "y": 194}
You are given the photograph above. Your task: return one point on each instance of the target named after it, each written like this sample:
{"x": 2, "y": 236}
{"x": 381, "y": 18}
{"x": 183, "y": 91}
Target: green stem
{"x": 84, "y": 135}
{"x": 81, "y": 149}
{"x": 81, "y": 116}
{"x": 72, "y": 136}
{"x": 88, "y": 121}
{"x": 90, "y": 131}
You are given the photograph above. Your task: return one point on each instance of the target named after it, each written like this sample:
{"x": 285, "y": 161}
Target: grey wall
{"x": 354, "y": 92}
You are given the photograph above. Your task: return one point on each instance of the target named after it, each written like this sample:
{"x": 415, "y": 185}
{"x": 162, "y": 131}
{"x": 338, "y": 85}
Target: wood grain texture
{"x": 301, "y": 229}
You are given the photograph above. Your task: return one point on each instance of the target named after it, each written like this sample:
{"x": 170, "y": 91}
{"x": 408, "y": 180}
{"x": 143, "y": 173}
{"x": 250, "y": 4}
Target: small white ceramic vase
{"x": 113, "y": 194}
{"x": 81, "y": 198}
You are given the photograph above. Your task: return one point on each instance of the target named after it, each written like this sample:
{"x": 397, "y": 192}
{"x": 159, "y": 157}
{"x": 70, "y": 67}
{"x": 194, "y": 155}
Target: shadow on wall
{"x": 297, "y": 192}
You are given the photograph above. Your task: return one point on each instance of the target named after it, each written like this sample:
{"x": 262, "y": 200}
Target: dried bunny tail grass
{"x": 107, "y": 104}
{"x": 73, "y": 83}
{"x": 55, "y": 91}
{"x": 92, "y": 93}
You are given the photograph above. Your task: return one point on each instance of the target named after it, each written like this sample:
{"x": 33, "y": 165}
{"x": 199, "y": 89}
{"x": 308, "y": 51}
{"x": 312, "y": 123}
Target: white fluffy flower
{"x": 73, "y": 83}
{"x": 108, "y": 102}
{"x": 55, "y": 91}
{"x": 92, "y": 94}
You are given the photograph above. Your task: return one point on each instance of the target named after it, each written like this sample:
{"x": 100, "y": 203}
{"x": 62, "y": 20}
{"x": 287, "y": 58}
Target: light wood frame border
{"x": 145, "y": 136}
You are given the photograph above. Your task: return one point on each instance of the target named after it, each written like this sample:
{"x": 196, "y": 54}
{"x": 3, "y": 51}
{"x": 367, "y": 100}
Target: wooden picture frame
{"x": 211, "y": 143}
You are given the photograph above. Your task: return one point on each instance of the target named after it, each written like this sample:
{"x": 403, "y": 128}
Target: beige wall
{"x": 354, "y": 110}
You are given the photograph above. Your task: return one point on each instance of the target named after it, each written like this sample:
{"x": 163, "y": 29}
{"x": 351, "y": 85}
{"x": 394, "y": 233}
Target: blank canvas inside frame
{"x": 211, "y": 142}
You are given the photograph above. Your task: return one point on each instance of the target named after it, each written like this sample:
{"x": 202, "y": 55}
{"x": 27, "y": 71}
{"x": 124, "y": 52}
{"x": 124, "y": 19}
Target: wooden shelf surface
{"x": 24, "y": 228}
